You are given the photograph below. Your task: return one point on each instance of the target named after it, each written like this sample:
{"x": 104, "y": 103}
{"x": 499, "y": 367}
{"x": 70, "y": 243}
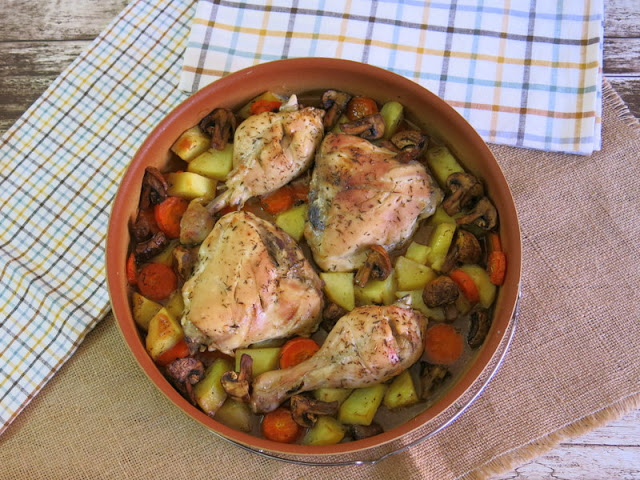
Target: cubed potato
{"x": 213, "y": 163}
{"x": 326, "y": 431}
{"x": 379, "y": 292}
{"x": 245, "y": 111}
{"x": 175, "y": 304}
{"x": 191, "y": 144}
{"x": 417, "y": 303}
{"x": 208, "y": 392}
{"x": 190, "y": 185}
{"x": 412, "y": 275}
{"x": 292, "y": 221}
{"x": 486, "y": 289}
{"x": 361, "y": 406}
{"x": 442, "y": 163}
{"x": 328, "y": 394}
{"x": 417, "y": 252}
{"x": 392, "y": 113}
{"x": 264, "y": 359}
{"x": 401, "y": 392}
{"x": 143, "y": 309}
{"x": 339, "y": 288}
{"x": 235, "y": 414}
{"x": 163, "y": 333}
{"x": 440, "y": 243}
{"x": 166, "y": 256}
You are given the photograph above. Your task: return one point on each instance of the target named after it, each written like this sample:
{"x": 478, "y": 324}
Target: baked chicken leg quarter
{"x": 269, "y": 150}
{"x": 362, "y": 196}
{"x": 367, "y": 346}
{"x": 251, "y": 283}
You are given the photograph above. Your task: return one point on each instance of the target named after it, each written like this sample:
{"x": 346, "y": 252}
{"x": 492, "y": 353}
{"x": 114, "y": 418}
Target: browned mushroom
{"x": 411, "y": 144}
{"x": 464, "y": 192}
{"x": 150, "y": 248}
{"x": 483, "y": 215}
{"x": 184, "y": 373}
{"x": 220, "y": 125}
{"x": 480, "y": 323}
{"x": 237, "y": 384}
{"x": 305, "y": 410}
{"x": 430, "y": 377}
{"x": 184, "y": 259}
{"x": 154, "y": 188}
{"x": 465, "y": 248}
{"x": 196, "y": 223}
{"x": 370, "y": 127}
{"x": 334, "y": 102}
{"x": 145, "y": 226}
{"x": 331, "y": 314}
{"x": 358, "y": 432}
{"x": 440, "y": 291}
{"x": 377, "y": 266}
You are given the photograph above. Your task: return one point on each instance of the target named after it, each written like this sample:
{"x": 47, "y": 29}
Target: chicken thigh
{"x": 269, "y": 150}
{"x": 369, "y": 345}
{"x": 251, "y": 283}
{"x": 362, "y": 196}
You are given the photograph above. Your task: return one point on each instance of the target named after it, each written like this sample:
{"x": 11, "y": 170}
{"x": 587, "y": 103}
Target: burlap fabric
{"x": 573, "y": 365}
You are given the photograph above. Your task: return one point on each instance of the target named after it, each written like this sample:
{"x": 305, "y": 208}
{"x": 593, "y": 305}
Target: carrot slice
{"x": 168, "y": 215}
{"x": 261, "y": 106}
{"x": 300, "y": 191}
{"x": 296, "y": 351}
{"x": 466, "y": 285}
{"x": 497, "y": 267}
{"x": 278, "y": 201}
{"x": 494, "y": 242}
{"x": 359, "y": 107}
{"x": 280, "y": 426}
{"x": 132, "y": 269}
{"x": 443, "y": 344}
{"x": 179, "y": 350}
{"x": 157, "y": 281}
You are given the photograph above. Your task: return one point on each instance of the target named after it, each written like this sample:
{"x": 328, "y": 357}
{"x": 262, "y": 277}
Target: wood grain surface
{"x": 39, "y": 39}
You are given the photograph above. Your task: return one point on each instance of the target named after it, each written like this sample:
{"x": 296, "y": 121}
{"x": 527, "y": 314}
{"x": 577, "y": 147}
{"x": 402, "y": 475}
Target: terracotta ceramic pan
{"x": 302, "y": 75}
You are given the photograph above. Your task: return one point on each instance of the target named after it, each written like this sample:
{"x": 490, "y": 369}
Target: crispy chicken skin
{"x": 362, "y": 196}
{"x": 251, "y": 283}
{"x": 270, "y": 149}
{"x": 369, "y": 345}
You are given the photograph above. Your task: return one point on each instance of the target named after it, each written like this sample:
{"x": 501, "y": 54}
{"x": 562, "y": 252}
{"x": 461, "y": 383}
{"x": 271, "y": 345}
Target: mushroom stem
{"x": 237, "y": 384}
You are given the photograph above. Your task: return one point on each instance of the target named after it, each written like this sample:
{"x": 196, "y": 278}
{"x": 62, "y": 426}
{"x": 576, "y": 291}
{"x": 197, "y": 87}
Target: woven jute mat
{"x": 574, "y": 363}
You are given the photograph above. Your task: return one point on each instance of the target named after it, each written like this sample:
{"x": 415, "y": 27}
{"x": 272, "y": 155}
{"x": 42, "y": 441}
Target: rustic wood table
{"x": 39, "y": 39}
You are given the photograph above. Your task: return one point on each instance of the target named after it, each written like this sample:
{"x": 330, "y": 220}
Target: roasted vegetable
{"x": 401, "y": 392}
{"x": 339, "y": 288}
{"x": 361, "y": 406}
{"x": 208, "y": 392}
{"x": 326, "y": 431}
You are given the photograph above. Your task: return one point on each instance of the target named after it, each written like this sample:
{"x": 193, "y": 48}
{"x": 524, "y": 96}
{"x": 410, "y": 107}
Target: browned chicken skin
{"x": 269, "y": 150}
{"x": 362, "y": 196}
{"x": 369, "y": 345}
{"x": 251, "y": 283}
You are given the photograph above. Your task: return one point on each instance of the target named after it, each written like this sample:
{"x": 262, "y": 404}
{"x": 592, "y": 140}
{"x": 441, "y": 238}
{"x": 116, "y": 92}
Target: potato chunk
{"x": 339, "y": 288}
{"x": 191, "y": 143}
{"x": 326, "y": 431}
{"x": 164, "y": 332}
{"x": 143, "y": 309}
{"x": 208, "y": 392}
{"x": 190, "y": 185}
{"x": 213, "y": 163}
{"x": 264, "y": 359}
{"x": 361, "y": 406}
{"x": 401, "y": 392}
{"x": 292, "y": 221}
{"x": 412, "y": 275}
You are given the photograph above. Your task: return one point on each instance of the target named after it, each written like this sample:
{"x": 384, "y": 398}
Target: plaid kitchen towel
{"x": 61, "y": 164}
{"x": 523, "y": 72}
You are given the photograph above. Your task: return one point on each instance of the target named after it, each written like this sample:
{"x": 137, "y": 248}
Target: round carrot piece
{"x": 157, "y": 281}
{"x": 443, "y": 344}
{"x": 278, "y": 201}
{"x": 280, "y": 426}
{"x": 168, "y": 215}
{"x": 296, "y": 351}
{"x": 466, "y": 285}
{"x": 260, "y": 106}
{"x": 359, "y": 107}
